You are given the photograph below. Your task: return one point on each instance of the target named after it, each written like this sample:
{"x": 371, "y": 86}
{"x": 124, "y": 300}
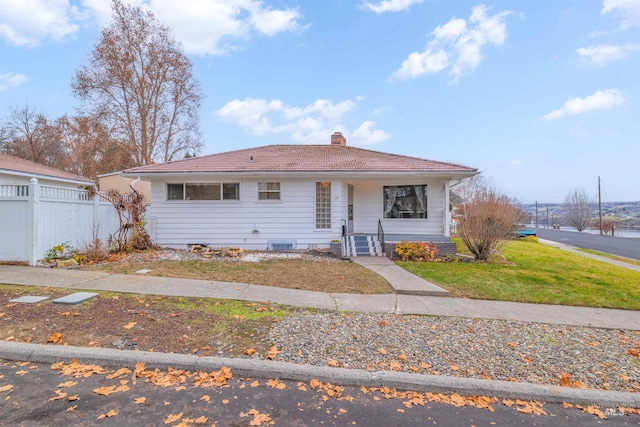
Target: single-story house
{"x": 18, "y": 171}
{"x": 301, "y": 197}
{"x": 115, "y": 181}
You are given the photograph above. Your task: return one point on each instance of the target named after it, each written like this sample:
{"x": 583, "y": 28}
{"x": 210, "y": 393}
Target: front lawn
{"x": 537, "y": 273}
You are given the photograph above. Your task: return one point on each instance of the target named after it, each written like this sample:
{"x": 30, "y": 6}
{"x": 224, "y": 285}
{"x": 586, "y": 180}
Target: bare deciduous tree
{"x": 140, "y": 83}
{"x": 90, "y": 149}
{"x": 578, "y": 209}
{"x": 487, "y": 219}
{"x": 32, "y": 136}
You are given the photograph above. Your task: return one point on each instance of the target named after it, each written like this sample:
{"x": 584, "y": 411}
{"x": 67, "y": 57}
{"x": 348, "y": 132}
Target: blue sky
{"x": 542, "y": 96}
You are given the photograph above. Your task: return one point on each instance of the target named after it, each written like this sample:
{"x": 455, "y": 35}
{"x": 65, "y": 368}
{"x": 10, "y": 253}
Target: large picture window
{"x": 405, "y": 201}
{"x": 323, "y": 205}
{"x": 208, "y": 191}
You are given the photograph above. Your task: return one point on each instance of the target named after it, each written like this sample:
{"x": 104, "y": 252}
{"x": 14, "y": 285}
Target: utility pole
{"x": 547, "y": 216}
{"x": 536, "y": 214}
{"x": 600, "y": 204}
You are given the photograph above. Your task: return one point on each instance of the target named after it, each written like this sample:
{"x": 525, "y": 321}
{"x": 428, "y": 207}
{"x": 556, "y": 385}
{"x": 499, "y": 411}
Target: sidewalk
{"x": 383, "y": 303}
{"x": 388, "y": 303}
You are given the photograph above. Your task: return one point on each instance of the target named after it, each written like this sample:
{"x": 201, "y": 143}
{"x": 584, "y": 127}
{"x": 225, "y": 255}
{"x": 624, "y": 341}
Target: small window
{"x": 405, "y": 201}
{"x": 175, "y": 191}
{"x": 268, "y": 191}
{"x": 231, "y": 191}
{"x": 208, "y": 191}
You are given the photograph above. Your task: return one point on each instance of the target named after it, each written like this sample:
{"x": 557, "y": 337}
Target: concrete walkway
{"x": 383, "y": 303}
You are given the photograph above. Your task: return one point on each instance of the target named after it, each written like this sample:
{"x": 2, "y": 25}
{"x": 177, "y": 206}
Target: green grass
{"x": 537, "y": 273}
{"x": 614, "y": 257}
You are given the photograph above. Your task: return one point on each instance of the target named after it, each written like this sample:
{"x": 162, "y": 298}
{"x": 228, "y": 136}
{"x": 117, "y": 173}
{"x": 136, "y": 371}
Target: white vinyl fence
{"x": 34, "y": 218}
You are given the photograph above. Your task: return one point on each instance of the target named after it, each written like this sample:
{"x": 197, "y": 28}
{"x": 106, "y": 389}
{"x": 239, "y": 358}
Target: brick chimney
{"x": 338, "y": 139}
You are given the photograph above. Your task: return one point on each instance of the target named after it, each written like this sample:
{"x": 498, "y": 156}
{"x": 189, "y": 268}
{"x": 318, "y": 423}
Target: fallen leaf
{"x": 109, "y": 414}
{"x": 256, "y": 383}
{"x": 565, "y": 379}
{"x": 73, "y": 408}
{"x": 6, "y": 387}
{"x": 250, "y": 351}
{"x": 72, "y": 398}
{"x": 172, "y": 418}
{"x": 333, "y": 363}
{"x": 139, "y": 400}
{"x": 206, "y": 398}
{"x": 130, "y": 325}
{"x": 55, "y": 338}
{"x": 105, "y": 391}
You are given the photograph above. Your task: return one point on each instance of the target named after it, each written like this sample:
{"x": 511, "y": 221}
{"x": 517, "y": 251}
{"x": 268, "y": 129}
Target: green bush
{"x": 533, "y": 239}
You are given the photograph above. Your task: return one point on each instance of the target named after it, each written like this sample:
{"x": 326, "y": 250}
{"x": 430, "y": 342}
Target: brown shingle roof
{"x": 17, "y": 164}
{"x": 303, "y": 158}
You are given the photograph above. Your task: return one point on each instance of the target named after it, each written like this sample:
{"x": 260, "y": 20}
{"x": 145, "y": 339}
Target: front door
{"x": 350, "y": 209}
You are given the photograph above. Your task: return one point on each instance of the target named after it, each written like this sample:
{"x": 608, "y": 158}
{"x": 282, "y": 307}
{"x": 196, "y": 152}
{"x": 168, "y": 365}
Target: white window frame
{"x": 268, "y": 191}
{"x": 322, "y": 217}
{"x": 221, "y": 187}
{"x": 397, "y": 207}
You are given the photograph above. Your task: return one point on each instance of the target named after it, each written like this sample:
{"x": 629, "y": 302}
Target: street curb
{"x": 39, "y": 353}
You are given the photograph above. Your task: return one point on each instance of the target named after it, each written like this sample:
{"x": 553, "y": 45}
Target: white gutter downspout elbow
{"x": 134, "y": 182}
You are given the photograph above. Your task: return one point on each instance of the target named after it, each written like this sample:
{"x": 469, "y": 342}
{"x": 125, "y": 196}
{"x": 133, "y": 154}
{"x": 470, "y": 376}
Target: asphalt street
{"x": 41, "y": 396}
{"x": 622, "y": 246}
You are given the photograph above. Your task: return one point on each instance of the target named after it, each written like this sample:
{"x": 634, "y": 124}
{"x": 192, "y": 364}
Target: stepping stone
{"x": 75, "y": 298}
{"x": 29, "y": 299}
{"x": 143, "y": 271}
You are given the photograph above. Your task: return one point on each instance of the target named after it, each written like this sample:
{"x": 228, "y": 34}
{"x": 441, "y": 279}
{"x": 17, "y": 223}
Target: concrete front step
{"x": 361, "y": 245}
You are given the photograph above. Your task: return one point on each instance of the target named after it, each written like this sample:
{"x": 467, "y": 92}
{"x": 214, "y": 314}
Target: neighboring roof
{"x": 18, "y": 166}
{"x": 303, "y": 158}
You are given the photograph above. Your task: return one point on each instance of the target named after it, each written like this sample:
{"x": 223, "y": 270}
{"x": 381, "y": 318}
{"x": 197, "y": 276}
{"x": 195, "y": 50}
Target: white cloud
{"x": 604, "y": 53}
{"x": 598, "y": 101}
{"x": 457, "y": 43}
{"x": 205, "y": 27}
{"x": 365, "y": 135}
{"x": 310, "y": 124}
{"x": 390, "y": 5}
{"x": 29, "y": 22}
{"x": 8, "y": 80}
{"x": 628, "y": 11}
{"x": 212, "y": 27}
{"x": 516, "y": 162}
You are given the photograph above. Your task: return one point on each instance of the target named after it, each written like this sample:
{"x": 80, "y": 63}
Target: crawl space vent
{"x": 282, "y": 245}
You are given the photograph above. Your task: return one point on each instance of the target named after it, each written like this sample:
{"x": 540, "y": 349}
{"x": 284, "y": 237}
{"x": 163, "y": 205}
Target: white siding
{"x": 9, "y": 179}
{"x": 368, "y": 209}
{"x": 232, "y": 222}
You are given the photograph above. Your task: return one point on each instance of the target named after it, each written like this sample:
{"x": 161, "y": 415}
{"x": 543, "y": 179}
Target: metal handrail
{"x": 381, "y": 235}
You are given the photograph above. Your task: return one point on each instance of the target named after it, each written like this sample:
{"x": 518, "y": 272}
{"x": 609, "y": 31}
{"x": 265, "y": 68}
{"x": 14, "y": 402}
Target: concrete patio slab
{"x": 30, "y": 299}
{"x": 75, "y": 298}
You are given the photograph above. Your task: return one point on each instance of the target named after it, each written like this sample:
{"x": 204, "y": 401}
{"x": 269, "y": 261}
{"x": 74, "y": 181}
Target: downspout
{"x": 134, "y": 182}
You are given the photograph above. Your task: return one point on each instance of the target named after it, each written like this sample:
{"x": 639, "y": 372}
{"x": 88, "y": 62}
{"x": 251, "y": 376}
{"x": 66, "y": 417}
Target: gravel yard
{"x": 475, "y": 348}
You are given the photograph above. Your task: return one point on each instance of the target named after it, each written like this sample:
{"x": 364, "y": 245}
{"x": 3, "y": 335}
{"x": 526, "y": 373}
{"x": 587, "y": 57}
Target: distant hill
{"x": 626, "y": 215}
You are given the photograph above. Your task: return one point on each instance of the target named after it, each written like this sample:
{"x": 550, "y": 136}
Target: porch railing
{"x": 381, "y": 235}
